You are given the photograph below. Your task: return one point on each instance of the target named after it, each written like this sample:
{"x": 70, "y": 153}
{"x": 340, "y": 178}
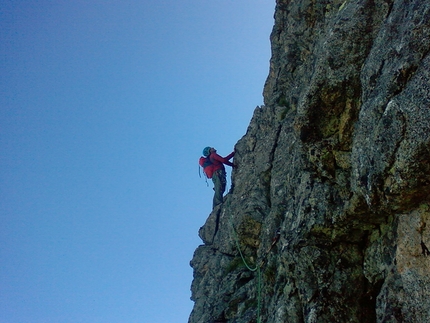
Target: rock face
{"x": 338, "y": 160}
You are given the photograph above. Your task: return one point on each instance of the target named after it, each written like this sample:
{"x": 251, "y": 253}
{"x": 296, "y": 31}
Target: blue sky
{"x": 105, "y": 107}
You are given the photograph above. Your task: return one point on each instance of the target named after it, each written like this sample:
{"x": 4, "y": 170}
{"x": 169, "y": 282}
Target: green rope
{"x": 256, "y": 268}
{"x": 241, "y": 254}
{"x": 259, "y": 296}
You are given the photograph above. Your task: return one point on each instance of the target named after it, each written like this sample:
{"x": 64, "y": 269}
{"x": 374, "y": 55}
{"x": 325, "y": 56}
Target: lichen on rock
{"x": 338, "y": 159}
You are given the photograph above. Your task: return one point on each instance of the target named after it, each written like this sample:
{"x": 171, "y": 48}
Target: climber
{"x": 219, "y": 177}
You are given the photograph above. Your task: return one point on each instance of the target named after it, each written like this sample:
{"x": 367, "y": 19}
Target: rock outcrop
{"x": 338, "y": 159}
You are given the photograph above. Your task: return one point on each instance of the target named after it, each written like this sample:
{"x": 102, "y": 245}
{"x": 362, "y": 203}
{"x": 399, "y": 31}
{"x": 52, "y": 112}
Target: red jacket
{"x": 218, "y": 161}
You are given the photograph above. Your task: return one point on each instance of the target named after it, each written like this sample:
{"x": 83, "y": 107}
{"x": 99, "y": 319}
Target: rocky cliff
{"x": 328, "y": 217}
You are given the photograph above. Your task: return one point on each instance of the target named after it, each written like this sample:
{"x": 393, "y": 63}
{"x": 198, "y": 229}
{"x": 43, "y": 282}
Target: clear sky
{"x": 105, "y": 107}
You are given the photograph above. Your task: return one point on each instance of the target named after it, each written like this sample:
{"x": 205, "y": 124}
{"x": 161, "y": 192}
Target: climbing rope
{"x": 256, "y": 268}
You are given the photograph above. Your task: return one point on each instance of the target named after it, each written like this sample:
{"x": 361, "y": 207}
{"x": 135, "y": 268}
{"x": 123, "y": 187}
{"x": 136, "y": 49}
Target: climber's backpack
{"x": 208, "y": 166}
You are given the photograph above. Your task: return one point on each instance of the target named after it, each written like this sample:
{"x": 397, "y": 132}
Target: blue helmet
{"x": 206, "y": 151}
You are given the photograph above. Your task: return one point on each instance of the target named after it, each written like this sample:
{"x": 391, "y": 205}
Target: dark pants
{"x": 219, "y": 179}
